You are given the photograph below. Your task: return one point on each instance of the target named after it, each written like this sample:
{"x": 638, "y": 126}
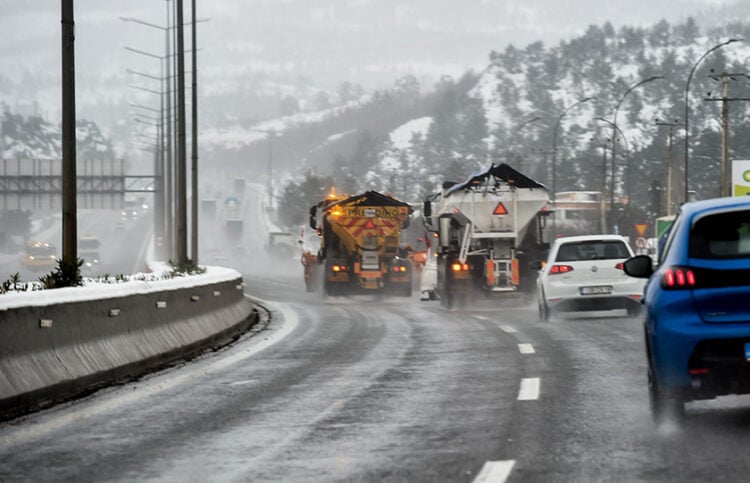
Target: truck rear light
{"x": 677, "y": 278}
{"x": 457, "y": 267}
{"x": 558, "y": 269}
{"x": 339, "y": 268}
{"x": 401, "y": 268}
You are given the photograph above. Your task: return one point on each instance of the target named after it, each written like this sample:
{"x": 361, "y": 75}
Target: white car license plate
{"x": 602, "y": 289}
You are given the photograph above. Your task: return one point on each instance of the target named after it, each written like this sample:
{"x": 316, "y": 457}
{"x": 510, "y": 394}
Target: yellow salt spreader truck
{"x": 360, "y": 236}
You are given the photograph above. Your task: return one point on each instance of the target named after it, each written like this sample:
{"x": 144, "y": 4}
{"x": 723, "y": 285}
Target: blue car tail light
{"x": 677, "y": 278}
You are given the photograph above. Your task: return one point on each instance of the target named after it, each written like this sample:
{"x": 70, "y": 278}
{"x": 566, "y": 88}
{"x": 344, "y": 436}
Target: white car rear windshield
{"x": 592, "y": 250}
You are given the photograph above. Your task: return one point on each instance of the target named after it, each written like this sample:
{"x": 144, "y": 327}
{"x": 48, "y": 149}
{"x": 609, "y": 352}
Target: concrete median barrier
{"x": 59, "y": 350}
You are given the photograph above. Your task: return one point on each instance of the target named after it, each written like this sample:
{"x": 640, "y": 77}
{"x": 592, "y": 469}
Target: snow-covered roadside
{"x": 99, "y": 291}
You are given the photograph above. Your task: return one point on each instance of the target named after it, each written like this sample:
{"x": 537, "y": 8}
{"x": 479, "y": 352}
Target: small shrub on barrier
{"x": 187, "y": 267}
{"x": 69, "y": 275}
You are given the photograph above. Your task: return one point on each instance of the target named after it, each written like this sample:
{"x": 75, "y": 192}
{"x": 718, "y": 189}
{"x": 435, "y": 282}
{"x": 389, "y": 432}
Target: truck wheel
{"x": 447, "y": 300}
{"x": 666, "y": 405}
{"x": 406, "y": 291}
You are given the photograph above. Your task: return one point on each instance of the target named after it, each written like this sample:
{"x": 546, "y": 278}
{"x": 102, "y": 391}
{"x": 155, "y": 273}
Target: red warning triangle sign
{"x": 369, "y": 224}
{"x": 500, "y": 209}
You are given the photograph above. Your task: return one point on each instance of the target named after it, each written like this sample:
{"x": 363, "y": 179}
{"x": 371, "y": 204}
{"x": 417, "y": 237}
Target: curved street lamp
{"x": 554, "y": 142}
{"x": 516, "y": 131}
{"x": 614, "y": 122}
{"x": 687, "y": 107}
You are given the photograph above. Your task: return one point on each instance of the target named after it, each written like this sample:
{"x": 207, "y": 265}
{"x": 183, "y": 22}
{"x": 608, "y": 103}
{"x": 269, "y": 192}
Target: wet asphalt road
{"x": 396, "y": 390}
{"x": 362, "y": 389}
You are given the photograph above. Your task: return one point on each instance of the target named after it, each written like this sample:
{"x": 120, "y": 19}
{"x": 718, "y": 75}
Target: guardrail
{"x": 53, "y": 351}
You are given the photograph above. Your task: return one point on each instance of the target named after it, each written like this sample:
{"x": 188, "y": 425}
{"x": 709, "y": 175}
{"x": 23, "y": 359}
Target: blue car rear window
{"x": 721, "y": 236}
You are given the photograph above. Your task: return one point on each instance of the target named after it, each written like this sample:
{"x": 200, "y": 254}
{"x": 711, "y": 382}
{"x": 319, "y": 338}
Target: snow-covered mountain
{"x": 263, "y": 59}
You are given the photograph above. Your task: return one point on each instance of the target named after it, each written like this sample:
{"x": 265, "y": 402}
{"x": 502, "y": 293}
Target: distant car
{"x": 697, "y": 314}
{"x": 280, "y": 245}
{"x": 39, "y": 256}
{"x": 585, "y": 273}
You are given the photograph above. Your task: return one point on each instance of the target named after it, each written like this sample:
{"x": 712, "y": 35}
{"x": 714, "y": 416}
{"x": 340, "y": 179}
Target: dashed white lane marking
{"x": 508, "y": 329}
{"x": 495, "y": 472}
{"x": 529, "y": 389}
{"x": 150, "y": 387}
{"x": 526, "y": 349}
{"x": 482, "y": 317}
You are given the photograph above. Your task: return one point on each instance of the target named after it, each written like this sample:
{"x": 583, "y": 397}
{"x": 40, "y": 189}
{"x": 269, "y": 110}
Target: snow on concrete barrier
{"x": 57, "y": 344}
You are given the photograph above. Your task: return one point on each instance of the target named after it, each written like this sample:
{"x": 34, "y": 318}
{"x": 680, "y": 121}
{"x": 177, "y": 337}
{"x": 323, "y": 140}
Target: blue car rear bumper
{"x": 674, "y": 334}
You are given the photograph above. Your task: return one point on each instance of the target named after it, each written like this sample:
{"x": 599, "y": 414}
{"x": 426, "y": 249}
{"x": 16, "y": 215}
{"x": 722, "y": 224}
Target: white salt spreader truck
{"x": 488, "y": 230}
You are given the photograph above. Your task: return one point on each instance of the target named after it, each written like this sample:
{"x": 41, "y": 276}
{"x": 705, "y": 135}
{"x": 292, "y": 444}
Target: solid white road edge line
{"x": 529, "y": 389}
{"x": 150, "y": 387}
{"x": 526, "y": 349}
{"x": 495, "y": 471}
{"x": 508, "y": 329}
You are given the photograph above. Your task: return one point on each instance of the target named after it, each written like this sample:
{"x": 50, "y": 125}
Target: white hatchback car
{"x": 585, "y": 273}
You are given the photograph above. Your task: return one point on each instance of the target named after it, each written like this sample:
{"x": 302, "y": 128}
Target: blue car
{"x": 697, "y": 307}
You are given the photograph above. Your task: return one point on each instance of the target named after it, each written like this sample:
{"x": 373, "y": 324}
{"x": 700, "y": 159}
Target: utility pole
{"x": 687, "y": 111}
{"x": 726, "y": 182}
{"x": 69, "y": 208}
{"x": 670, "y": 167}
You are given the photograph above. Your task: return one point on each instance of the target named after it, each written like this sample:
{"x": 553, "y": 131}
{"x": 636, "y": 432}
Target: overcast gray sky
{"x": 325, "y": 41}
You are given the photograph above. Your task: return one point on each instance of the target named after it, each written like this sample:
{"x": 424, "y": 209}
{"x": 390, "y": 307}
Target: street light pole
{"x": 166, "y": 102}
{"x": 516, "y": 131}
{"x": 687, "y": 110}
{"x": 69, "y": 204}
{"x": 554, "y": 142}
{"x": 181, "y": 142}
{"x": 614, "y": 126}
{"x": 613, "y": 169}
{"x": 271, "y": 133}
{"x": 194, "y": 146}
